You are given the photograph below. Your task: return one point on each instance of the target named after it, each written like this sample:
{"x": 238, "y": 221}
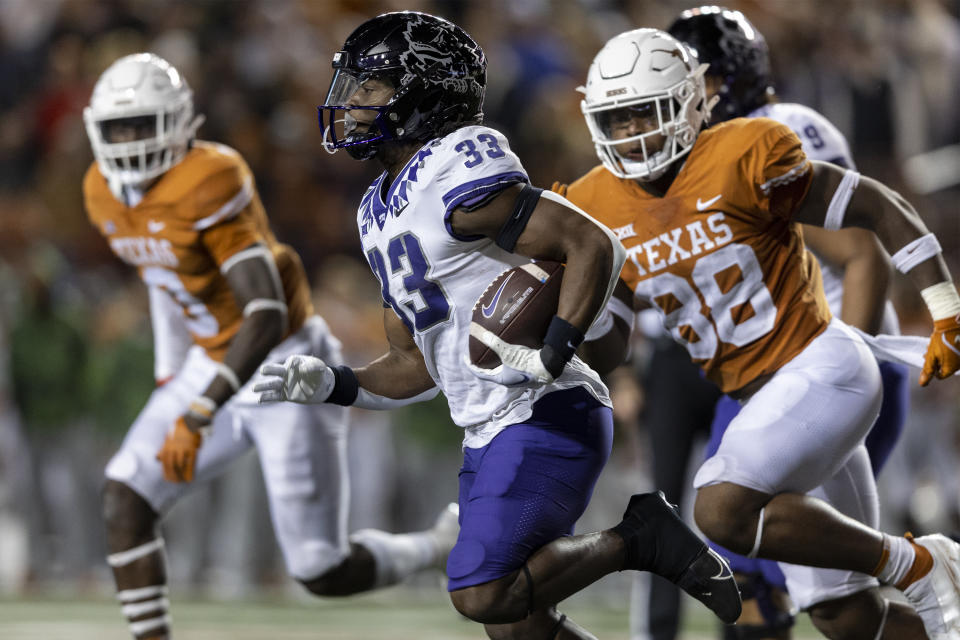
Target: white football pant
{"x": 803, "y": 432}
{"x": 302, "y": 450}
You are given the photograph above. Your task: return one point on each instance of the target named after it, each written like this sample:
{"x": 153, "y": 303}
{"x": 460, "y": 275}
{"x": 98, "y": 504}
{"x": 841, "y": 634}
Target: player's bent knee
{"x": 854, "y": 617}
{"x": 489, "y": 603}
{"x": 471, "y": 603}
{"x": 719, "y": 527}
{"x": 727, "y": 517}
{"x": 125, "y": 511}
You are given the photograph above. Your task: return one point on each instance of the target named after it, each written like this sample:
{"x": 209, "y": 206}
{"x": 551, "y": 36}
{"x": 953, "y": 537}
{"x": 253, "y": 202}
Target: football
{"x": 517, "y": 306}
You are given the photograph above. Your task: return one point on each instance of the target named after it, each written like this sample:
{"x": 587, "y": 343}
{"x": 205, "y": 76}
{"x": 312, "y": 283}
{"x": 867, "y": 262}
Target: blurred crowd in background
{"x": 75, "y": 340}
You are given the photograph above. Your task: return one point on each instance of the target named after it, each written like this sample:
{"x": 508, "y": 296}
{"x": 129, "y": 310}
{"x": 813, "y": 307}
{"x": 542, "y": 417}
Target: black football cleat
{"x": 658, "y": 541}
{"x": 710, "y": 580}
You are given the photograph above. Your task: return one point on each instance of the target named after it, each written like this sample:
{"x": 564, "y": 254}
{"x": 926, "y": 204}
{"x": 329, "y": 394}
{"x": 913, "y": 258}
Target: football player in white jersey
{"x": 855, "y": 270}
{"x": 223, "y": 295}
{"x": 452, "y": 210}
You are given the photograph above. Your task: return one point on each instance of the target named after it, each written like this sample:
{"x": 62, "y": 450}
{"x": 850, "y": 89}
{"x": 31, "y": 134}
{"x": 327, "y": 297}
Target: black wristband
{"x": 345, "y": 386}
{"x": 559, "y": 345}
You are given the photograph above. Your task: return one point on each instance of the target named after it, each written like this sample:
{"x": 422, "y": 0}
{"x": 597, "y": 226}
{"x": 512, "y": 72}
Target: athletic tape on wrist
{"x": 840, "y": 200}
{"x": 203, "y": 407}
{"x": 228, "y": 374}
{"x": 921, "y": 249}
{"x": 942, "y": 300}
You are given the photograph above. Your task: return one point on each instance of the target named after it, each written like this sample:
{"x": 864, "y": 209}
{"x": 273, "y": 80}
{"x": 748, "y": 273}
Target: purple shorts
{"x": 528, "y": 486}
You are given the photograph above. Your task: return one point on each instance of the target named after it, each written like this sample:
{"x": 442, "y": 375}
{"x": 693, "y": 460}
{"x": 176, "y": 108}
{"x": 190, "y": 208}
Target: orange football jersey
{"x": 719, "y": 254}
{"x": 194, "y": 218}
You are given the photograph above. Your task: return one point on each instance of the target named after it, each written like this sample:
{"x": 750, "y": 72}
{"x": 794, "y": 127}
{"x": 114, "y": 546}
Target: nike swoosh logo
{"x": 400, "y": 210}
{"x": 950, "y": 346}
{"x": 724, "y": 573}
{"x": 703, "y": 205}
{"x": 154, "y": 226}
{"x": 487, "y": 309}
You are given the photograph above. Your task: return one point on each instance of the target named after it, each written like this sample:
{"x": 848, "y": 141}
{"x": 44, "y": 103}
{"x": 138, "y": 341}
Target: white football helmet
{"x": 136, "y": 86}
{"x": 645, "y": 69}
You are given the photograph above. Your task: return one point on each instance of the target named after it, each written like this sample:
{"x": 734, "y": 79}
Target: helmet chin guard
{"x": 138, "y": 86}
{"x": 645, "y": 70}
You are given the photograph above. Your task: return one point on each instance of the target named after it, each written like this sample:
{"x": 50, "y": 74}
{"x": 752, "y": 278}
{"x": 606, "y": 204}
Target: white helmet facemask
{"x": 647, "y": 73}
{"x": 145, "y": 89}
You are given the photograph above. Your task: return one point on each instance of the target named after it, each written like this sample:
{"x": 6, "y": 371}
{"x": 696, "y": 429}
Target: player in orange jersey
{"x": 224, "y": 294}
{"x": 710, "y": 220}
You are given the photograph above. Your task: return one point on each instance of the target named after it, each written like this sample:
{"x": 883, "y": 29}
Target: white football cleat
{"x": 936, "y": 596}
{"x": 444, "y": 532}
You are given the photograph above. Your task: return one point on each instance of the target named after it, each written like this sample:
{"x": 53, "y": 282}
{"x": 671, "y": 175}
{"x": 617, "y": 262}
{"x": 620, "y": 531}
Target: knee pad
{"x": 766, "y": 610}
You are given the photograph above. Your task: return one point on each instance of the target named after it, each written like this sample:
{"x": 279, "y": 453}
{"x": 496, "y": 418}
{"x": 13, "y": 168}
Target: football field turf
{"x": 393, "y": 615}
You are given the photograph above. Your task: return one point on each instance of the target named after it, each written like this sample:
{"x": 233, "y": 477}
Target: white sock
{"x": 397, "y": 555}
{"x": 900, "y": 560}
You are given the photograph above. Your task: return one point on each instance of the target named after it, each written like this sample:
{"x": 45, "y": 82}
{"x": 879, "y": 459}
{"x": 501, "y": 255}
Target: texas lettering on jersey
{"x": 144, "y": 251}
{"x": 719, "y": 255}
{"x": 679, "y": 243}
{"x": 188, "y": 224}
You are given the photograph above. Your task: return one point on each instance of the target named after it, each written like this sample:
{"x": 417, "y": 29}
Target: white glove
{"x": 519, "y": 364}
{"x": 302, "y": 379}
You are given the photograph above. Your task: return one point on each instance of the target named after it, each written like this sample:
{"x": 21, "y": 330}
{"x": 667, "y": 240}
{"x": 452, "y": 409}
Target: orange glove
{"x": 178, "y": 455}
{"x": 943, "y": 354}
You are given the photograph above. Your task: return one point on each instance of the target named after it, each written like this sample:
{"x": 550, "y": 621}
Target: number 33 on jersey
{"x": 718, "y": 255}
{"x": 431, "y": 276}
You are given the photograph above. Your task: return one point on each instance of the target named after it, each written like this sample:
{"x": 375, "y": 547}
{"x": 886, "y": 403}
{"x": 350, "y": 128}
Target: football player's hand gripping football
{"x": 943, "y": 354}
{"x": 178, "y": 455}
{"x": 519, "y": 364}
{"x": 302, "y": 379}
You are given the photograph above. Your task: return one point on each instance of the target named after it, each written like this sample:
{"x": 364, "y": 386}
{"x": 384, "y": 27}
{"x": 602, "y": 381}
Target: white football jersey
{"x": 823, "y": 141}
{"x": 432, "y": 277}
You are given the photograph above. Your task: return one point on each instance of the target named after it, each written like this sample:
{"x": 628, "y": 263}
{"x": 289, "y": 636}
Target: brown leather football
{"x": 517, "y": 306}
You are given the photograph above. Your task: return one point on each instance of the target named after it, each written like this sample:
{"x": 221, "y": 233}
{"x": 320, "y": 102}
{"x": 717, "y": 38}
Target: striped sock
{"x": 146, "y": 610}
